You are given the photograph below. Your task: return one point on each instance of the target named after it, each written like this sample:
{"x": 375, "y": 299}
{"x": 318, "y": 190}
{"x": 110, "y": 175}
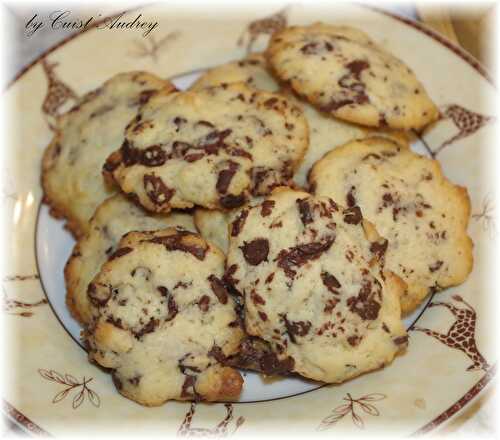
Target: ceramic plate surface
{"x": 52, "y": 388}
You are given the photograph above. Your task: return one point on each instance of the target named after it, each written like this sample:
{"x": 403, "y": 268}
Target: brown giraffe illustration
{"x": 58, "y": 94}
{"x": 151, "y": 47}
{"x": 466, "y": 121}
{"x": 220, "y": 430}
{"x": 264, "y": 26}
{"x": 462, "y": 334}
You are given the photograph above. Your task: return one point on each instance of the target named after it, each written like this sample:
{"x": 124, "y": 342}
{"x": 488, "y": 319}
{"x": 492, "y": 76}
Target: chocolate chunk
{"x": 218, "y": 288}
{"x": 351, "y": 200}
{"x": 205, "y": 123}
{"x": 353, "y": 215}
{"x": 99, "y": 294}
{"x": 228, "y": 275}
{"x": 179, "y": 121}
{"x": 357, "y": 66}
{"x": 269, "y": 278}
{"x": 266, "y": 207}
{"x": 163, "y": 291}
{"x": 153, "y": 156}
{"x": 385, "y": 328}
{"x": 299, "y": 255}
{"x": 379, "y": 247}
{"x": 172, "y": 308}
{"x": 156, "y": 190}
{"x": 204, "y": 303}
{"x": 135, "y": 380}
{"x": 270, "y": 102}
{"x": 175, "y": 242}
{"x": 364, "y": 304}
{"x": 262, "y": 315}
{"x": 238, "y": 223}
{"x": 400, "y": 340}
{"x": 257, "y": 299}
{"x": 232, "y": 201}
{"x": 214, "y": 141}
{"x": 117, "y": 322}
{"x": 217, "y": 353}
{"x": 129, "y": 154}
{"x": 296, "y": 328}
{"x": 256, "y": 354}
{"x": 225, "y": 177}
{"x": 436, "y": 266}
{"x": 331, "y": 304}
{"x": 330, "y": 282}
{"x": 120, "y": 253}
{"x": 305, "y": 211}
{"x": 255, "y": 251}
{"x": 353, "y": 340}
{"x": 241, "y": 153}
{"x": 145, "y": 96}
{"x": 148, "y": 328}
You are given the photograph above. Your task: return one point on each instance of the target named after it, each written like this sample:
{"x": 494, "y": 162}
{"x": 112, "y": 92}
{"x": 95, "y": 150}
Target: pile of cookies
{"x": 272, "y": 217}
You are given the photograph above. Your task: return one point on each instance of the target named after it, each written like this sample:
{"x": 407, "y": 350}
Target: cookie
{"x": 86, "y": 135}
{"x": 163, "y": 320}
{"x": 312, "y": 276}
{"x": 411, "y": 203}
{"x": 212, "y": 147}
{"x": 325, "y": 131}
{"x": 113, "y": 218}
{"x": 213, "y": 226}
{"x": 251, "y": 70}
{"x": 342, "y": 72}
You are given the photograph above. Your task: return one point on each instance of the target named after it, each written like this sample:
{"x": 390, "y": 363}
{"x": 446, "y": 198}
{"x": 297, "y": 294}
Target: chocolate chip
{"x": 176, "y": 242}
{"x": 266, "y": 207}
{"x": 172, "y": 308}
{"x": 352, "y": 215}
{"x": 99, "y": 294}
{"x": 353, "y": 340}
{"x": 364, "y": 304}
{"x": 305, "y": 211}
{"x": 330, "y": 282}
{"x": 255, "y": 251}
{"x": 400, "y": 340}
{"x": 262, "y": 316}
{"x": 163, "y": 291}
{"x": 218, "y": 288}
{"x": 296, "y": 328}
{"x": 351, "y": 200}
{"x": 188, "y": 389}
{"x": 153, "y": 156}
{"x": 238, "y": 223}
{"x": 156, "y": 190}
{"x": 257, "y": 299}
{"x": 232, "y": 201}
{"x": 299, "y": 255}
{"x": 120, "y": 253}
{"x": 148, "y": 328}
{"x": 436, "y": 266}
{"x": 269, "y": 278}
{"x": 135, "y": 380}
{"x": 379, "y": 247}
{"x": 217, "y": 353}
{"x": 225, "y": 177}
{"x": 204, "y": 303}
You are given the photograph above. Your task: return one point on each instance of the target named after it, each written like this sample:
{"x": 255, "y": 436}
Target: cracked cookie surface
{"x": 411, "y": 203}
{"x": 163, "y": 320}
{"x": 86, "y": 135}
{"x": 314, "y": 286}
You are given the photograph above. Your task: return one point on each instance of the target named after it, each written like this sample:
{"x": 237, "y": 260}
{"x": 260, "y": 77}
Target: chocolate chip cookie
{"x": 211, "y": 147}
{"x": 113, "y": 218}
{"x": 411, "y": 203}
{"x": 315, "y": 290}
{"x": 342, "y": 72}
{"x": 86, "y": 135}
{"x": 163, "y": 320}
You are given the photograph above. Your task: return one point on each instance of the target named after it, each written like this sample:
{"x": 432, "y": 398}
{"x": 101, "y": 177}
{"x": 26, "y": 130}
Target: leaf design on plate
{"x": 61, "y": 395}
{"x": 78, "y": 399}
{"x": 94, "y": 398}
{"x": 72, "y": 384}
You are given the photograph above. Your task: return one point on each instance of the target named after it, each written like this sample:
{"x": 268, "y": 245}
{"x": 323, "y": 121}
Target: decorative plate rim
{"x": 26, "y": 424}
